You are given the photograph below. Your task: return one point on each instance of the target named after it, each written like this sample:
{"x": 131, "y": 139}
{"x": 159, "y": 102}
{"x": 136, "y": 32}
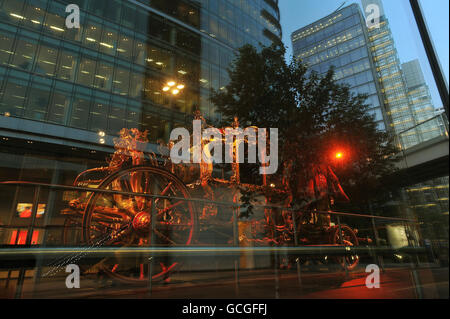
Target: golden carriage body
{"x": 192, "y": 207}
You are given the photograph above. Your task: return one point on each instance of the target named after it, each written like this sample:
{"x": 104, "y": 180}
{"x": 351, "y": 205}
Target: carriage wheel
{"x": 125, "y": 221}
{"x": 348, "y": 239}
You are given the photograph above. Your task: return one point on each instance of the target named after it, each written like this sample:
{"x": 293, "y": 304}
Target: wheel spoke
{"x": 161, "y": 235}
{"x": 169, "y": 208}
{"x": 164, "y": 192}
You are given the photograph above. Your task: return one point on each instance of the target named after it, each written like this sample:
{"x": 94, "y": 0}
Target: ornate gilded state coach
{"x": 151, "y": 202}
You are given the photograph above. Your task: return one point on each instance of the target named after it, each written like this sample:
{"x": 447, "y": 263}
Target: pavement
{"x": 316, "y": 283}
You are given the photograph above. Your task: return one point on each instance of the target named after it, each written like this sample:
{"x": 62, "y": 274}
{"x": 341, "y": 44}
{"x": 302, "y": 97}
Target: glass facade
{"x": 61, "y": 87}
{"x": 109, "y": 73}
{"x": 66, "y": 93}
{"x": 420, "y": 99}
{"x": 144, "y": 227}
{"x": 341, "y": 41}
{"x": 400, "y": 97}
{"x": 366, "y": 59}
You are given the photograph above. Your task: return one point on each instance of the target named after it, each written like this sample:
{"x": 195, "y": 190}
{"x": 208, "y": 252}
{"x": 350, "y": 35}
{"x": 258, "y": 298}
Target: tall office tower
{"x": 387, "y": 65}
{"x": 400, "y": 98}
{"x": 65, "y": 93}
{"x": 341, "y": 40}
{"x": 420, "y": 100}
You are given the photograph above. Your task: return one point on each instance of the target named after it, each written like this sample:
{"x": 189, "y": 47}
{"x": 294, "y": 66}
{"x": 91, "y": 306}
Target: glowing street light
{"x": 339, "y": 155}
{"x": 174, "y": 87}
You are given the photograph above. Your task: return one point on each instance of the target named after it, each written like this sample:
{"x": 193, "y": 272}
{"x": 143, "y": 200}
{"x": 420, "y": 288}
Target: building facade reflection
{"x": 66, "y": 93}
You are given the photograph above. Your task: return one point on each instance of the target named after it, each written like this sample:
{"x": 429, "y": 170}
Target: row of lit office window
{"x": 343, "y": 37}
{"x": 109, "y": 75}
{"x": 81, "y": 108}
{"x": 319, "y": 29}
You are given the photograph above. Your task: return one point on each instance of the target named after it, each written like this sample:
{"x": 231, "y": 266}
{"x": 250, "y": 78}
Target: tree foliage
{"x": 315, "y": 117}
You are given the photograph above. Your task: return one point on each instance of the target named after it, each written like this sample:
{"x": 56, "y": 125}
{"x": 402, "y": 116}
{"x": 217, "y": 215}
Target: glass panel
{"x": 46, "y": 61}
{"x": 59, "y": 107}
{"x": 38, "y": 101}
{"x": 99, "y": 115}
{"x": 140, "y": 51}
{"x": 55, "y": 21}
{"x": 92, "y": 35}
{"x": 80, "y": 112}
{"x": 24, "y": 54}
{"x": 67, "y": 66}
{"x": 128, "y": 16}
{"x": 121, "y": 81}
{"x": 6, "y": 43}
{"x": 103, "y": 76}
{"x": 133, "y": 117}
{"x": 116, "y": 118}
{"x": 35, "y": 11}
{"x": 108, "y": 44}
{"x": 137, "y": 85}
{"x": 12, "y": 10}
{"x": 13, "y": 99}
{"x": 158, "y": 58}
{"x": 86, "y": 72}
{"x": 125, "y": 47}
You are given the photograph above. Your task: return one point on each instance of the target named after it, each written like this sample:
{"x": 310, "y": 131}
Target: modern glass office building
{"x": 66, "y": 93}
{"x": 420, "y": 99}
{"x": 341, "y": 40}
{"x": 109, "y": 73}
{"x": 408, "y": 103}
{"x": 367, "y": 60}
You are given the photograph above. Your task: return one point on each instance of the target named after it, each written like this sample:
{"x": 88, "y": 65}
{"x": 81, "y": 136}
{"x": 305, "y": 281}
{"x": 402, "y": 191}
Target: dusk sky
{"x": 296, "y": 14}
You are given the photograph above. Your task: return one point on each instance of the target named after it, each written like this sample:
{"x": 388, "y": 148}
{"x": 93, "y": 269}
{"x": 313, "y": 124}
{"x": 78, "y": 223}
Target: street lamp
{"x": 174, "y": 87}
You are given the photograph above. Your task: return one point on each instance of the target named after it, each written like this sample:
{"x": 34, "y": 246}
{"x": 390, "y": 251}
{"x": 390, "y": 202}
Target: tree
{"x": 315, "y": 117}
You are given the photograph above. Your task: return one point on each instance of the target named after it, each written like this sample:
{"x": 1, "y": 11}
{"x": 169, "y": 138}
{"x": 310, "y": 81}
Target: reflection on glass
{"x": 121, "y": 81}
{"x": 46, "y": 61}
{"x": 13, "y": 99}
{"x": 34, "y": 13}
{"x": 38, "y": 101}
{"x": 98, "y": 115}
{"x": 103, "y": 76}
{"x": 24, "y": 54}
{"x": 92, "y": 35}
{"x": 58, "y": 108}
{"x": 6, "y": 52}
{"x": 67, "y": 66}
{"x": 86, "y": 72}
{"x": 80, "y": 112}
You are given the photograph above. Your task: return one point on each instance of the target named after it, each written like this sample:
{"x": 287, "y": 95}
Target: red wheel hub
{"x": 141, "y": 222}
